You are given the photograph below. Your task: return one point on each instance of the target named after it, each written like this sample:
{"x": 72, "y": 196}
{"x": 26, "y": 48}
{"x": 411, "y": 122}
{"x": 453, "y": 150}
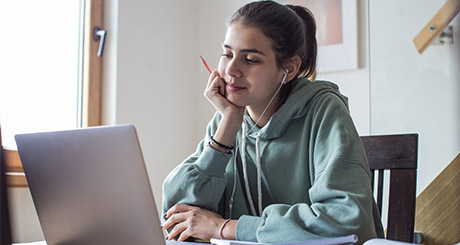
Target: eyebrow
{"x": 247, "y": 50}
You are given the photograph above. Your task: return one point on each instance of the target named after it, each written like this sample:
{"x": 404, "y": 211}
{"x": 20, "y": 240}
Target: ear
{"x": 292, "y": 65}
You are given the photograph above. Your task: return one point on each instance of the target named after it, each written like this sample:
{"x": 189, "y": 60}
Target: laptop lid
{"x": 90, "y": 186}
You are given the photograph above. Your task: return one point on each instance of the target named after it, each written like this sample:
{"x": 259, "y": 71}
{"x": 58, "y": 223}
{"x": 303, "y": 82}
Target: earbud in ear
{"x": 285, "y": 75}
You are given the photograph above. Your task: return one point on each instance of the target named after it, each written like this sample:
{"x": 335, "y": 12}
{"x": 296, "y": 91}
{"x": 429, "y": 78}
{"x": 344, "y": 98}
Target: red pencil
{"x": 206, "y": 64}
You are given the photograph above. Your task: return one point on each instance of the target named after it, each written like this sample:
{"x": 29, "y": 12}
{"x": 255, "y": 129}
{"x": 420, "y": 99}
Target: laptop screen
{"x": 90, "y": 186}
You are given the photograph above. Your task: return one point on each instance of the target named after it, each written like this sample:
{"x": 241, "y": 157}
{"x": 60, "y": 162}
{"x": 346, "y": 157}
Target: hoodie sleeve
{"x": 200, "y": 179}
{"x": 340, "y": 197}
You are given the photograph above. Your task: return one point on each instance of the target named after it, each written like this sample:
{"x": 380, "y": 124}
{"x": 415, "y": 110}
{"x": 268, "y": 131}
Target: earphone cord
{"x": 230, "y": 203}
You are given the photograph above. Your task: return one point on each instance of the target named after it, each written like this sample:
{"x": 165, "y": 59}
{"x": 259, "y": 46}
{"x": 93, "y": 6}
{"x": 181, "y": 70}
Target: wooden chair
{"x": 397, "y": 153}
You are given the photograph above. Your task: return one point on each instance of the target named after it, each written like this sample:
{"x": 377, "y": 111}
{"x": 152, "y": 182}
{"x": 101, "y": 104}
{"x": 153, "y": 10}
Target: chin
{"x": 236, "y": 101}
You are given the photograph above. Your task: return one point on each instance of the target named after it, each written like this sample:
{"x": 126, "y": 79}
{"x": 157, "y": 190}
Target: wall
{"x": 412, "y": 92}
{"x": 150, "y": 74}
{"x": 25, "y": 226}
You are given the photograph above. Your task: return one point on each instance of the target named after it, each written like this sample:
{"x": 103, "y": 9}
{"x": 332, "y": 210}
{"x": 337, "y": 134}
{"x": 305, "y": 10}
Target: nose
{"x": 233, "y": 69}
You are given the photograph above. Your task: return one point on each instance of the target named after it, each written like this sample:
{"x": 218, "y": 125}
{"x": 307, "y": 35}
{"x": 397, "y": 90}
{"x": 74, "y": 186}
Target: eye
{"x": 228, "y": 56}
{"x": 252, "y": 61}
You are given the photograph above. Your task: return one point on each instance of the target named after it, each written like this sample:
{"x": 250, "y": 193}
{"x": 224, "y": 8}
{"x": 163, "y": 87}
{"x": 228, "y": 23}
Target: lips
{"x": 232, "y": 88}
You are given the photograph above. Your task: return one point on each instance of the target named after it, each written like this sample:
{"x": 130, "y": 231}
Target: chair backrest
{"x": 398, "y": 154}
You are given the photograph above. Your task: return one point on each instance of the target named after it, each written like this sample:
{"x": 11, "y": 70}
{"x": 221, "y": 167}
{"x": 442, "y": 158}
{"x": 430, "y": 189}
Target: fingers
{"x": 212, "y": 77}
{"x": 178, "y": 231}
{"x": 186, "y": 221}
{"x": 216, "y": 85}
{"x": 177, "y": 216}
{"x": 183, "y": 236}
{"x": 178, "y": 208}
{"x": 178, "y": 222}
{"x": 173, "y": 219}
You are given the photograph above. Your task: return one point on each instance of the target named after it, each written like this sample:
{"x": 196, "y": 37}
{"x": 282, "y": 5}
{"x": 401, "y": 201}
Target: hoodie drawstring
{"x": 259, "y": 177}
{"x": 245, "y": 174}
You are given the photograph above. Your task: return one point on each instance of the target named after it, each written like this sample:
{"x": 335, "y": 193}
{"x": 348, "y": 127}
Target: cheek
{"x": 221, "y": 67}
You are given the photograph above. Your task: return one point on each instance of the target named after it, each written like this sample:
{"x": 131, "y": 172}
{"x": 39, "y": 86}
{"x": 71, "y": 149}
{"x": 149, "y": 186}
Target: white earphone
{"x": 284, "y": 77}
{"x": 230, "y": 203}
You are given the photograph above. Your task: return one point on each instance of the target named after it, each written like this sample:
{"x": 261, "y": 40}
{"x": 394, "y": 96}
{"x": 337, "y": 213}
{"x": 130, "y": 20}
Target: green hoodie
{"x": 313, "y": 180}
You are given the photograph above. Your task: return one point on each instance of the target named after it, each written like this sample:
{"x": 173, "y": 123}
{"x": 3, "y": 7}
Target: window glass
{"x": 39, "y": 66}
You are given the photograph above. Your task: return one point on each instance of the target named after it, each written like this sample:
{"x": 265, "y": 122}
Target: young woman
{"x": 281, "y": 160}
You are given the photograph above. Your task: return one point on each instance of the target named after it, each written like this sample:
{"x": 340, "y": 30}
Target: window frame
{"x": 91, "y": 88}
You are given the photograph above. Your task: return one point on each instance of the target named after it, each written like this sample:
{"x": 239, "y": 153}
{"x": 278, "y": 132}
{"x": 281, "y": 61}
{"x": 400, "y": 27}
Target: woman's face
{"x": 248, "y": 66}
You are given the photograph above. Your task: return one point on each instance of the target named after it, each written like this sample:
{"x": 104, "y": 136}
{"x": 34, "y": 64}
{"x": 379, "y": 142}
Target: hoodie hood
{"x": 302, "y": 95}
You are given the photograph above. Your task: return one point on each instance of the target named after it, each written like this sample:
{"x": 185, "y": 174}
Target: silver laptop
{"x": 90, "y": 186}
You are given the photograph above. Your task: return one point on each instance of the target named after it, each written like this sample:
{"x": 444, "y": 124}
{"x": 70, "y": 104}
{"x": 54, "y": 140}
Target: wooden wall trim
{"x": 14, "y": 172}
{"x": 436, "y": 25}
{"x": 13, "y": 161}
{"x": 437, "y": 213}
{"x": 92, "y": 69}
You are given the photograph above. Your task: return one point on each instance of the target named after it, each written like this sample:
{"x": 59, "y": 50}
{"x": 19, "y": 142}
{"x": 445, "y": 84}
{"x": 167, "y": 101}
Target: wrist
{"x": 227, "y": 130}
{"x": 214, "y": 144}
{"x": 227, "y": 230}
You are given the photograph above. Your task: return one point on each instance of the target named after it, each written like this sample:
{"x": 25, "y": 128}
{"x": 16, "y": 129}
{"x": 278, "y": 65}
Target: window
{"x": 50, "y": 75}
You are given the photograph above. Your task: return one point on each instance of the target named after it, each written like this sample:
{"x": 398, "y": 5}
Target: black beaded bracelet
{"x": 218, "y": 148}
{"x": 221, "y": 145}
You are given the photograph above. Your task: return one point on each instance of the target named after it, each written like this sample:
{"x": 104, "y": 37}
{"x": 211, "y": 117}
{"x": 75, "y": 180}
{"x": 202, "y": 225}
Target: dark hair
{"x": 291, "y": 28}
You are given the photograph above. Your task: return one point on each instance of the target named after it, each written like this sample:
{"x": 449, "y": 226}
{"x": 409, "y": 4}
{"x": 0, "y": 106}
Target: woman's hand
{"x": 215, "y": 92}
{"x": 192, "y": 221}
{"x": 232, "y": 115}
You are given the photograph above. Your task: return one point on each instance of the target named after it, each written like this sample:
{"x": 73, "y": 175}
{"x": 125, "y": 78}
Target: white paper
{"x": 326, "y": 241}
{"x": 31, "y": 243}
{"x": 378, "y": 241}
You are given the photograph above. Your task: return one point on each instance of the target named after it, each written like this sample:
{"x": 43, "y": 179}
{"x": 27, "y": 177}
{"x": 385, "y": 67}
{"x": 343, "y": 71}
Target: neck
{"x": 255, "y": 112}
